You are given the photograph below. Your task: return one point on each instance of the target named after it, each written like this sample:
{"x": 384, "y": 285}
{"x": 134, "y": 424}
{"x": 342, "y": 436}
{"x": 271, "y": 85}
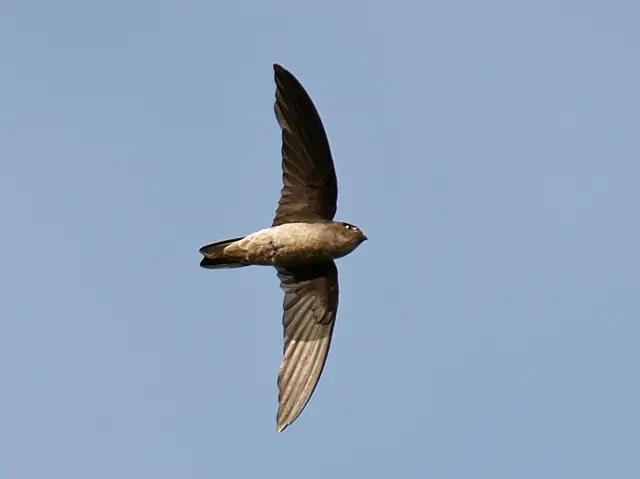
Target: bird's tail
{"x": 214, "y": 256}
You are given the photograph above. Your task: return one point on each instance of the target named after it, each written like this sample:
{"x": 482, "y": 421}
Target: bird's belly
{"x": 288, "y": 253}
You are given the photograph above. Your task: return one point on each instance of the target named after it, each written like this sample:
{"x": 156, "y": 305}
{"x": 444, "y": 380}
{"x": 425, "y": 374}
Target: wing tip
{"x": 279, "y": 70}
{"x": 282, "y": 427}
{"x": 284, "y": 418}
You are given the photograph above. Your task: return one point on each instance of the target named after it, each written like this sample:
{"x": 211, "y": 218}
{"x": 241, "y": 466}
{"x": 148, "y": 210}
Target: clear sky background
{"x": 489, "y": 328}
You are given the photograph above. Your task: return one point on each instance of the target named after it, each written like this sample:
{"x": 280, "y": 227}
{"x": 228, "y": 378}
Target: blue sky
{"x": 487, "y": 329}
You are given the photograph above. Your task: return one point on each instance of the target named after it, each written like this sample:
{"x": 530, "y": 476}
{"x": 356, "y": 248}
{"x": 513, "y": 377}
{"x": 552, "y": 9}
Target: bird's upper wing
{"x": 310, "y": 306}
{"x": 310, "y": 190}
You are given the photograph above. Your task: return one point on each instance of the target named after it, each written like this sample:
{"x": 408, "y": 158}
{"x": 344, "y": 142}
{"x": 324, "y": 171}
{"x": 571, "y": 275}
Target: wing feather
{"x": 310, "y": 307}
{"x": 310, "y": 187}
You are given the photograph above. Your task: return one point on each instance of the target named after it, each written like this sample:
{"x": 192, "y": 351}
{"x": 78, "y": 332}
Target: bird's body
{"x": 302, "y": 244}
{"x": 290, "y": 244}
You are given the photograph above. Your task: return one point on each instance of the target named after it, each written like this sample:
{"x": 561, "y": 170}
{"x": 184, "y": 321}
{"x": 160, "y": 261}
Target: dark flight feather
{"x": 310, "y": 191}
{"x": 214, "y": 255}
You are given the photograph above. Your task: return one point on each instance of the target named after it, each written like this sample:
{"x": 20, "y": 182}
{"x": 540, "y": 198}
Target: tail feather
{"x": 214, "y": 255}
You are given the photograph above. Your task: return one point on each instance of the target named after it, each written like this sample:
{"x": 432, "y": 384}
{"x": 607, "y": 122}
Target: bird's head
{"x": 354, "y": 233}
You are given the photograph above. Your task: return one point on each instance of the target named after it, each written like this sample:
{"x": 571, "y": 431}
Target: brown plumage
{"x": 302, "y": 244}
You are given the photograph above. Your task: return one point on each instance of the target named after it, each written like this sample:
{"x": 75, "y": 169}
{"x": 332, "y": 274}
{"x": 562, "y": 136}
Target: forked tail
{"x": 214, "y": 256}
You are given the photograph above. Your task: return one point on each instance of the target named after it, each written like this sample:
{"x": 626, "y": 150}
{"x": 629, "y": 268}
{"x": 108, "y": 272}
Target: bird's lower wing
{"x": 310, "y": 306}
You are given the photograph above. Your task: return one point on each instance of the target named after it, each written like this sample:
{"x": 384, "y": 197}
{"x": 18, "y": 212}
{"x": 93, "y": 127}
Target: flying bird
{"x": 302, "y": 244}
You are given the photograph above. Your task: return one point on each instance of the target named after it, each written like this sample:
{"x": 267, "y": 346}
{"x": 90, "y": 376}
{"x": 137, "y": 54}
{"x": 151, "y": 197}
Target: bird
{"x": 302, "y": 244}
